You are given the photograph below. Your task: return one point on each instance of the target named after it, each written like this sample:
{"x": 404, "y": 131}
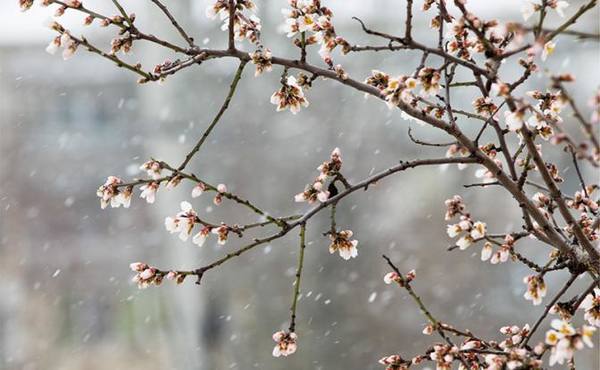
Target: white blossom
{"x": 591, "y": 306}
{"x": 536, "y": 289}
{"x": 183, "y": 222}
{"x": 290, "y": 95}
{"x": 341, "y": 243}
{"x": 149, "y": 192}
{"x": 287, "y": 343}
{"x": 548, "y": 50}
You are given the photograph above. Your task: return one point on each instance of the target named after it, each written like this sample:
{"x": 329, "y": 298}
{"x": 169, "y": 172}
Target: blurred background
{"x": 67, "y": 301}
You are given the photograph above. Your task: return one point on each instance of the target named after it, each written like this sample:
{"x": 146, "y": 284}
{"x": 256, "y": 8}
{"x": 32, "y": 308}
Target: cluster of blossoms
{"x": 124, "y": 43}
{"x": 591, "y": 307}
{"x": 63, "y": 40}
{"x": 378, "y": 79}
{"x": 316, "y": 190}
{"x": 563, "y": 340}
{"x": 430, "y": 81}
{"x": 552, "y": 169}
{"x": 536, "y": 288}
{"x": 549, "y": 107}
{"x": 70, "y": 44}
{"x": 514, "y": 356}
{"x": 109, "y": 193}
{"x": 529, "y": 9}
{"x": 582, "y": 200}
{"x": 309, "y": 23}
{"x": 550, "y": 104}
{"x": 485, "y": 106}
{"x": 514, "y": 335}
{"x": 469, "y": 231}
{"x": 483, "y": 173}
{"x": 457, "y": 151}
{"x": 262, "y": 59}
{"x": 153, "y": 169}
{"x": 286, "y": 343}
{"x": 342, "y": 243}
{"x": 543, "y": 203}
{"x": 515, "y": 119}
{"x": 463, "y": 44}
{"x": 309, "y": 16}
{"x": 147, "y": 275}
{"x": 454, "y": 206}
{"x": 165, "y": 66}
{"x": 244, "y": 27}
{"x": 443, "y": 355}
{"x": 290, "y": 95}
{"x": 74, "y": 4}
{"x": 395, "y": 362}
{"x": 532, "y": 6}
{"x": 399, "y": 89}
{"x": 183, "y": 223}
{"x": 587, "y": 227}
{"x": 502, "y": 253}
{"x": 394, "y": 277}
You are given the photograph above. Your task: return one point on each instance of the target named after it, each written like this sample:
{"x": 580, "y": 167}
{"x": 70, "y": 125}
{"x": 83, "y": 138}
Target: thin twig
{"x": 224, "y": 106}
{"x": 174, "y": 22}
{"x": 298, "y": 277}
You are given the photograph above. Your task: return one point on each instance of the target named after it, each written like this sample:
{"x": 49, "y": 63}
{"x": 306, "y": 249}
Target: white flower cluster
{"x": 483, "y": 173}
{"x": 147, "y": 275}
{"x": 316, "y": 190}
{"x": 502, "y": 253}
{"x": 464, "y": 41}
{"x": 400, "y": 89}
{"x": 183, "y": 223}
{"x": 393, "y": 277}
{"x": 548, "y": 109}
{"x": 563, "y": 340}
{"x": 261, "y": 58}
{"x": 308, "y": 16}
{"x": 109, "y": 193}
{"x": 469, "y": 231}
{"x": 394, "y": 362}
{"x": 457, "y": 151}
{"x": 63, "y": 40}
{"x": 244, "y": 27}
{"x": 290, "y": 95}
{"x": 532, "y": 6}
{"x": 591, "y": 307}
